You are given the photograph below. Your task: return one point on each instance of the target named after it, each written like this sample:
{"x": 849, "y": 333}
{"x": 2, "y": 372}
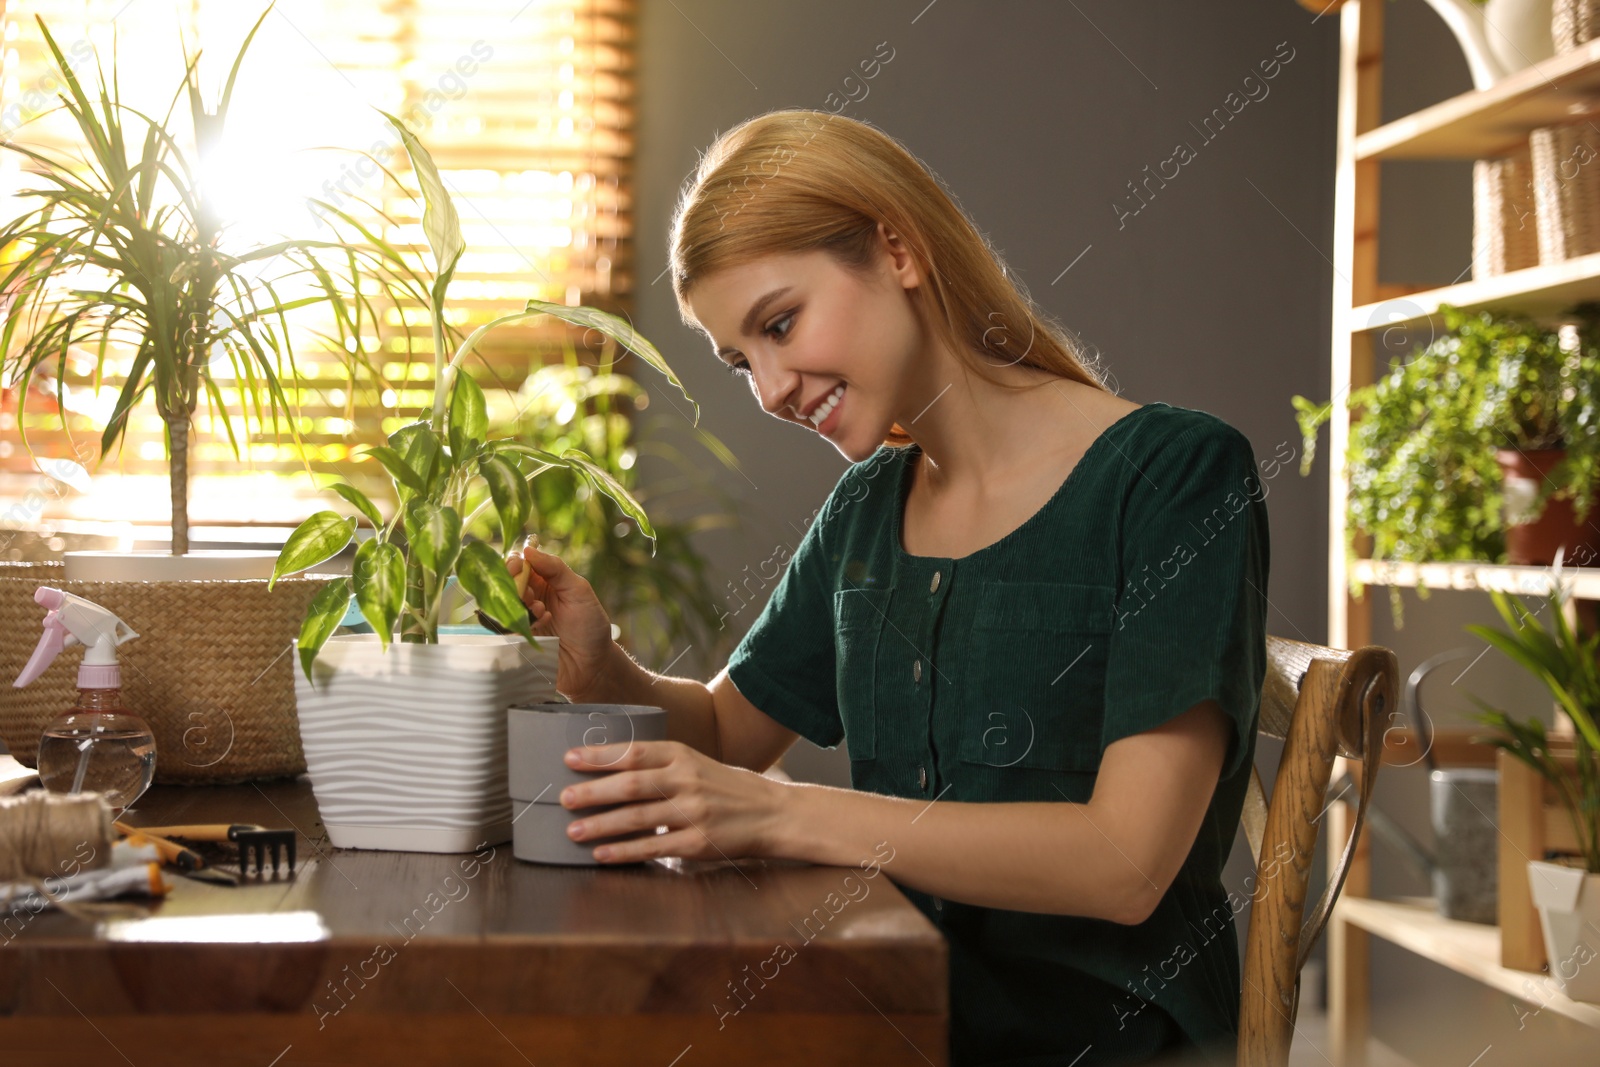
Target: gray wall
{"x": 1214, "y": 296}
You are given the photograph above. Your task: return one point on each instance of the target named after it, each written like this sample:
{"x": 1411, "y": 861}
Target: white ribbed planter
{"x": 1568, "y": 899}
{"x": 406, "y": 748}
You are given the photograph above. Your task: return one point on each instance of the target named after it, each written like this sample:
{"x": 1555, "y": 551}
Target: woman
{"x": 1032, "y": 610}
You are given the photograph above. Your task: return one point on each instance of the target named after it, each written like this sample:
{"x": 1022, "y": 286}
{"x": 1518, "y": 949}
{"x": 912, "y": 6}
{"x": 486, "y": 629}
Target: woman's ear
{"x": 902, "y": 264}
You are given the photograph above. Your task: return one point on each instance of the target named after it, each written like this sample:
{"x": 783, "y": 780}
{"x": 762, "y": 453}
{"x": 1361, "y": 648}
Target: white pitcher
{"x": 1499, "y": 37}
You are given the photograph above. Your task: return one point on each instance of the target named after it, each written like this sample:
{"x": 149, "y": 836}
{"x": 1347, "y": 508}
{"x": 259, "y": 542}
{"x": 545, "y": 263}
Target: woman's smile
{"x": 826, "y": 416}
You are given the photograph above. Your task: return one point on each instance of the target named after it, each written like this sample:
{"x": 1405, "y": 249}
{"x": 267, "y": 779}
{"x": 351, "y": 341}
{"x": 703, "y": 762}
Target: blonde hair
{"x": 800, "y": 180}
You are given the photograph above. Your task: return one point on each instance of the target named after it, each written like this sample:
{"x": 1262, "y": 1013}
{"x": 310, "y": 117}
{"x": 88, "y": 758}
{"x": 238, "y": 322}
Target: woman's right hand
{"x": 563, "y": 605}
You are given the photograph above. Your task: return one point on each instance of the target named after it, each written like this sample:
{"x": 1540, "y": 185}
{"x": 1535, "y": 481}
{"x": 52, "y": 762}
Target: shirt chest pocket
{"x": 861, "y": 615}
{"x": 1035, "y": 669}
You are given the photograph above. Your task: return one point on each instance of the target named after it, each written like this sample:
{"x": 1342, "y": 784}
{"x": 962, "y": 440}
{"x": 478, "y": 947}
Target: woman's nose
{"x": 775, "y": 390}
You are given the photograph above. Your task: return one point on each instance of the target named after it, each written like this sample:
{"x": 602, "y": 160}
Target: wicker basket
{"x": 211, "y": 670}
{"x": 1574, "y": 22}
{"x": 1505, "y": 234}
{"x": 1566, "y": 189}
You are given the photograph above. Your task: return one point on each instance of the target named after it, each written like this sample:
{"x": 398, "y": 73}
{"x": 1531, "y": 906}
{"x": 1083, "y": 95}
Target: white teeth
{"x": 825, "y": 408}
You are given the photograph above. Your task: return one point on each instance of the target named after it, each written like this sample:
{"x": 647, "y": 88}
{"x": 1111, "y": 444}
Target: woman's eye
{"x": 787, "y": 322}
{"x": 740, "y": 367}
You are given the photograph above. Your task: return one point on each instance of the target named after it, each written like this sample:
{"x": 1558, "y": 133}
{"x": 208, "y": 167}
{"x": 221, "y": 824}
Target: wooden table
{"x": 404, "y": 957}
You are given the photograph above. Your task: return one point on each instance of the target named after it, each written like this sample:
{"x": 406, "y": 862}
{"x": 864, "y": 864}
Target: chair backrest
{"x": 1322, "y": 703}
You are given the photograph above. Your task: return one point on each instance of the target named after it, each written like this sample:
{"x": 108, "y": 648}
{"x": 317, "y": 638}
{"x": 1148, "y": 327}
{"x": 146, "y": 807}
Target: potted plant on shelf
{"x": 405, "y": 729}
{"x": 122, "y": 260}
{"x": 1483, "y": 440}
{"x": 1566, "y": 892}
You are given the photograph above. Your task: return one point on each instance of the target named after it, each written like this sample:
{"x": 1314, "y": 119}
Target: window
{"x": 528, "y": 113}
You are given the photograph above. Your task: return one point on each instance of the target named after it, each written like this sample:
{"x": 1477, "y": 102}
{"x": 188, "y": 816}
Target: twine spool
{"x": 45, "y": 835}
{"x": 211, "y": 671}
{"x": 1505, "y": 235}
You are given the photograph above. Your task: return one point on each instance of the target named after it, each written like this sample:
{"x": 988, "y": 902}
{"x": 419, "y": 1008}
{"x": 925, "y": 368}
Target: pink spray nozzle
{"x": 73, "y": 620}
{"x": 44, "y": 653}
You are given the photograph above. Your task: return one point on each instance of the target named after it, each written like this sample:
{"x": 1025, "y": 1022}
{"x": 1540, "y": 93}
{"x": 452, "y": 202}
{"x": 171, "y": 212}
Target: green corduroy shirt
{"x": 1137, "y": 591}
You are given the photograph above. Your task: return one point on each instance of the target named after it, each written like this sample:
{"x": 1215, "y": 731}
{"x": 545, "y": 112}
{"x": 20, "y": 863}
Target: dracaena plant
{"x": 1565, "y": 661}
{"x": 125, "y": 252}
{"x": 437, "y": 466}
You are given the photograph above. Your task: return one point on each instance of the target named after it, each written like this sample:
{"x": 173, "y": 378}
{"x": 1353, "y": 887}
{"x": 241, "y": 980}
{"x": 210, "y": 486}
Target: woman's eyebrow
{"x": 754, "y": 313}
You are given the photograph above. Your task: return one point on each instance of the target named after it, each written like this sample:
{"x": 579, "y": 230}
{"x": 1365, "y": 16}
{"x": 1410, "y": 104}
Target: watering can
{"x": 1464, "y": 806}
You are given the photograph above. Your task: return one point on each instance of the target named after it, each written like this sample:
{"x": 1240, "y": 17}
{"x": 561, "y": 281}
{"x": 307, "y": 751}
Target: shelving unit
{"x": 1542, "y": 290}
{"x": 1472, "y": 949}
{"x": 1470, "y": 126}
{"x": 1484, "y": 577}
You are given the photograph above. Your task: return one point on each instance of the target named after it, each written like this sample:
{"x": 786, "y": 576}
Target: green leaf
{"x": 469, "y": 417}
{"x": 406, "y": 481}
{"x": 619, "y": 331}
{"x": 483, "y": 574}
{"x": 440, "y": 223}
{"x": 419, "y": 446}
{"x": 323, "y": 616}
{"x": 320, "y": 537}
{"x": 359, "y": 499}
{"x": 380, "y": 583}
{"x": 434, "y": 533}
{"x": 513, "y": 498}
{"x": 602, "y": 480}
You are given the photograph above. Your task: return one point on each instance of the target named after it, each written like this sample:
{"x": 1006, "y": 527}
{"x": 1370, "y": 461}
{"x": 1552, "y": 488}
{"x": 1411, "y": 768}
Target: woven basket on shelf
{"x": 1574, "y": 22}
{"x": 211, "y": 670}
{"x": 1505, "y": 234}
{"x": 1566, "y": 189}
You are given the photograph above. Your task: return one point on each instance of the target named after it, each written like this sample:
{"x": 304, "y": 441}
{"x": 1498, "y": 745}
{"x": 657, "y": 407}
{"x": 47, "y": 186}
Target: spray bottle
{"x": 98, "y": 745}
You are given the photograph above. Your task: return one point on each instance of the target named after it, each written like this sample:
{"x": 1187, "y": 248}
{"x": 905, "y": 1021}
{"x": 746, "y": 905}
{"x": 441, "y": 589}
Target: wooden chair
{"x": 1322, "y": 703}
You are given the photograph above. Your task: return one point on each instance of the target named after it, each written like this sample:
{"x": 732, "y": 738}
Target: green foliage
{"x": 125, "y": 252}
{"x": 1422, "y": 474}
{"x": 440, "y": 469}
{"x": 1564, "y": 660}
{"x": 659, "y": 592}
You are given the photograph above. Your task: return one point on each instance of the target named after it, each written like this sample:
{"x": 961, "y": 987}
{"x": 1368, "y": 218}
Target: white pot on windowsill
{"x": 157, "y": 566}
{"x": 406, "y": 746}
{"x": 1568, "y": 899}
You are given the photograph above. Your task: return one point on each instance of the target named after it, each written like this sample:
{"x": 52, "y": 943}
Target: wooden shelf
{"x": 1472, "y": 949}
{"x": 1489, "y": 121}
{"x": 1506, "y": 577}
{"x": 1545, "y": 290}
{"x": 1474, "y": 125}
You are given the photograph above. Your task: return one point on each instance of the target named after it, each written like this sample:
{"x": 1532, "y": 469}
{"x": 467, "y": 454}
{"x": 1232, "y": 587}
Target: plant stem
{"x": 178, "y": 481}
{"x": 413, "y": 626}
{"x": 440, "y": 386}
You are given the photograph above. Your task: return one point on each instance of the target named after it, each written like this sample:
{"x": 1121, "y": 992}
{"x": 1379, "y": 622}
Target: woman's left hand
{"x": 711, "y": 810}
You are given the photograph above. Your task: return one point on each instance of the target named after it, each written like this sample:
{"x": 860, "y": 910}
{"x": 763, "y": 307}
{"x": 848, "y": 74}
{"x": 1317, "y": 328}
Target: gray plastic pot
{"x": 538, "y": 738}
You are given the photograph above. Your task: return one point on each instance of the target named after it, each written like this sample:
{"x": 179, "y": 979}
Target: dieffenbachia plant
{"x": 434, "y": 465}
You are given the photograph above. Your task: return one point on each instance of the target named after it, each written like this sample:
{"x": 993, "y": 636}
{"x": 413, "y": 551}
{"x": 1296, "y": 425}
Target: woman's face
{"x": 809, "y": 334}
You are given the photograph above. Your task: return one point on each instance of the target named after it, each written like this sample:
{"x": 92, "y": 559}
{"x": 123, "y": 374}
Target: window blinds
{"x": 528, "y": 112}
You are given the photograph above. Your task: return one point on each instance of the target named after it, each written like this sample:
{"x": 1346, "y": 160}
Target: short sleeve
{"x": 784, "y": 664}
{"x": 1189, "y": 622}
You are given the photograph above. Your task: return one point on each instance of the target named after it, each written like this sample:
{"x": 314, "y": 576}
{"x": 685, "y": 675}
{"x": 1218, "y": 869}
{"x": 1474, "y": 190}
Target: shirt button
{"x": 933, "y": 586}
{"x": 922, "y": 777}
{"x": 916, "y": 671}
